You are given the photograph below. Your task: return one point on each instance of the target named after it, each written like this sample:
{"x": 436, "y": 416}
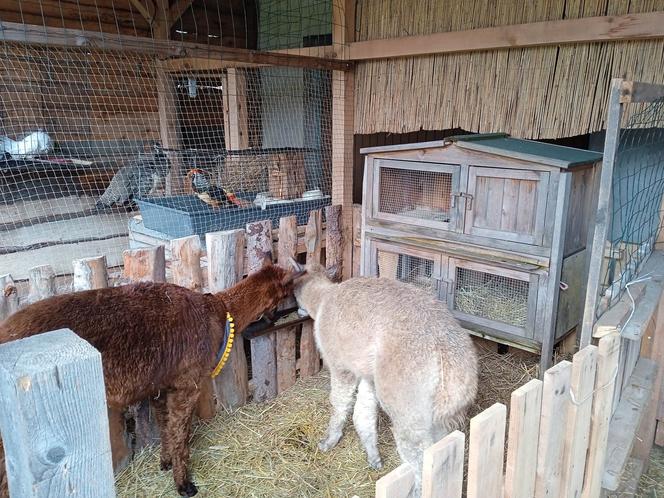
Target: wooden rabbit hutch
{"x": 495, "y": 226}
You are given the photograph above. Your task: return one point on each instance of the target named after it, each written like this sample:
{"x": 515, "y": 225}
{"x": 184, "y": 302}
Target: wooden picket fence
{"x": 275, "y": 359}
{"x": 570, "y": 435}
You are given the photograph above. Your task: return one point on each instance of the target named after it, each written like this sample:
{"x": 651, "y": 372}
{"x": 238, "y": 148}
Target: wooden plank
{"x": 145, "y": 265}
{"x": 90, "y": 273}
{"x": 263, "y": 348}
{"x": 644, "y": 311}
{"x": 178, "y": 9}
{"x": 577, "y": 435}
{"x": 523, "y": 436}
{"x": 286, "y": 373}
{"x": 41, "y": 35}
{"x": 555, "y": 396}
{"x": 225, "y": 268}
{"x": 607, "y": 363}
{"x": 357, "y": 239}
{"x": 42, "y": 283}
{"x": 485, "y": 456}
{"x": 186, "y": 262}
{"x": 334, "y": 246}
{"x": 236, "y": 117}
{"x": 589, "y": 29}
{"x": 396, "y": 484}
{"x": 659, "y": 433}
{"x": 169, "y": 129}
{"x": 603, "y": 214}
{"x": 53, "y": 417}
{"x": 343, "y": 115}
{"x": 634, "y": 91}
{"x": 442, "y": 469}
{"x": 494, "y": 202}
{"x": 626, "y": 420}
{"x": 8, "y": 296}
{"x": 313, "y": 240}
{"x": 509, "y": 210}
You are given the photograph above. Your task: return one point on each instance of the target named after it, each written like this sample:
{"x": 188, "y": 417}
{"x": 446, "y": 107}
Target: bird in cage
{"x": 137, "y": 179}
{"x": 213, "y": 195}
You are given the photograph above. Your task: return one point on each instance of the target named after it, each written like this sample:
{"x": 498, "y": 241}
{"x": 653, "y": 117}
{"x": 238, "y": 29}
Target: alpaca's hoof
{"x": 165, "y": 465}
{"x": 187, "y": 489}
{"x": 325, "y": 445}
{"x": 376, "y": 463}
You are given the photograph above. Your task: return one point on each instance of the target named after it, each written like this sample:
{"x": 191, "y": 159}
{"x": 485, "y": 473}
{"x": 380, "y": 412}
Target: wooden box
{"x": 492, "y": 225}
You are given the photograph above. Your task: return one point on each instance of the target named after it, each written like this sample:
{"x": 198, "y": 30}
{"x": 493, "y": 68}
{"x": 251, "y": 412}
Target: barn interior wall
{"x": 540, "y": 92}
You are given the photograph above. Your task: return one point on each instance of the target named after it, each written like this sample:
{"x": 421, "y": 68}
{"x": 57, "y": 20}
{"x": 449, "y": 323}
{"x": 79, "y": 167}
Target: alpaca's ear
{"x": 291, "y": 276}
{"x": 296, "y": 266}
{"x": 333, "y": 272}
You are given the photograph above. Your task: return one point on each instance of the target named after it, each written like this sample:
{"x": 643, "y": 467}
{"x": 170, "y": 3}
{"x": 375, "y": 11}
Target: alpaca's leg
{"x": 341, "y": 397}
{"x": 364, "y": 419}
{"x": 119, "y": 448}
{"x": 180, "y": 405}
{"x": 160, "y": 409}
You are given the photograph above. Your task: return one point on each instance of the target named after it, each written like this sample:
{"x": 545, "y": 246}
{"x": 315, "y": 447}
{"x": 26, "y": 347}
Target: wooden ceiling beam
{"x": 42, "y": 35}
{"x": 145, "y": 7}
{"x": 584, "y": 30}
{"x": 178, "y": 9}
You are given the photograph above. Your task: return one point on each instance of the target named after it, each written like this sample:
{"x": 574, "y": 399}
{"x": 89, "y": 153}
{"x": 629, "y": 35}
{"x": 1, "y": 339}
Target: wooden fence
{"x": 274, "y": 360}
{"x": 585, "y": 431}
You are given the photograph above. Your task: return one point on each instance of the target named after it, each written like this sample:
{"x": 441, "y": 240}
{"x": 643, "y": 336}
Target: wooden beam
{"x": 41, "y": 35}
{"x": 178, "y": 9}
{"x": 343, "y": 86}
{"x": 236, "y": 118}
{"x": 633, "y": 91}
{"x": 589, "y": 29}
{"x": 147, "y": 9}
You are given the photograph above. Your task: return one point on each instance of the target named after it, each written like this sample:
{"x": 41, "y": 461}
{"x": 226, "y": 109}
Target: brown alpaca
{"x": 157, "y": 341}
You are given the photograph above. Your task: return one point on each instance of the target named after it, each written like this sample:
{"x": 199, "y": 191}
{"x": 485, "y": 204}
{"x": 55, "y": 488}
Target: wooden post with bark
{"x": 42, "y": 283}
{"x": 286, "y": 373}
{"x": 186, "y": 262}
{"x": 53, "y": 418}
{"x": 263, "y": 348}
{"x": 313, "y": 240}
{"x": 334, "y": 245}
{"x": 225, "y": 252}
{"x": 147, "y": 264}
{"x": 8, "y": 296}
{"x": 90, "y": 273}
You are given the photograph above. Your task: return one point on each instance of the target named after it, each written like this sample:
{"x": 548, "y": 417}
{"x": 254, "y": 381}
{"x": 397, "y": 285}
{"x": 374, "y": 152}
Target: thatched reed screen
{"x": 541, "y": 92}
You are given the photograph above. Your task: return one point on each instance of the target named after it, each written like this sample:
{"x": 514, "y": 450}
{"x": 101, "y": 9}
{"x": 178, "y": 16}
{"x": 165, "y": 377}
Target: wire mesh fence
{"x": 637, "y": 198}
{"x": 113, "y": 138}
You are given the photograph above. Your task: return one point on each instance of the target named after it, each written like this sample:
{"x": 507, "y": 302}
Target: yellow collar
{"x": 226, "y": 346}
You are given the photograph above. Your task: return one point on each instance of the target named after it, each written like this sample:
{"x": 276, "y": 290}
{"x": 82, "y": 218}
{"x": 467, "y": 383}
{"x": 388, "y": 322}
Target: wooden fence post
{"x": 90, "y": 273}
{"x": 42, "y": 283}
{"x": 263, "y": 350}
{"x": 524, "y": 426}
{"x": 8, "y": 296}
{"x": 553, "y": 423}
{"x": 146, "y": 264}
{"x": 225, "y": 251}
{"x": 607, "y": 365}
{"x": 357, "y": 239}
{"x": 286, "y": 373}
{"x": 53, "y": 418}
{"x": 584, "y": 367}
{"x": 334, "y": 240}
{"x": 186, "y": 262}
{"x": 442, "y": 470}
{"x": 313, "y": 240}
{"x": 485, "y": 455}
{"x": 396, "y": 484}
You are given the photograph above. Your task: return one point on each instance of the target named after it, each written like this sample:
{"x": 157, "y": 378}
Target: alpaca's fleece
{"x": 404, "y": 349}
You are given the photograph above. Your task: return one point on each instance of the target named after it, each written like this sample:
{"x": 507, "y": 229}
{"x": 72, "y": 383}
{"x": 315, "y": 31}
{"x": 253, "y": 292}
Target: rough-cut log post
{"x": 357, "y": 239}
{"x": 225, "y": 251}
{"x": 90, "y": 273}
{"x": 313, "y": 240}
{"x": 186, "y": 262}
{"x": 147, "y": 264}
{"x": 42, "y": 283}
{"x": 263, "y": 351}
{"x": 8, "y": 296}
{"x": 53, "y": 418}
{"x": 286, "y": 374}
{"x": 334, "y": 241}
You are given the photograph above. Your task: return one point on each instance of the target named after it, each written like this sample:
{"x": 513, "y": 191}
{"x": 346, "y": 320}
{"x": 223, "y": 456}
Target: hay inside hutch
{"x": 495, "y": 226}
